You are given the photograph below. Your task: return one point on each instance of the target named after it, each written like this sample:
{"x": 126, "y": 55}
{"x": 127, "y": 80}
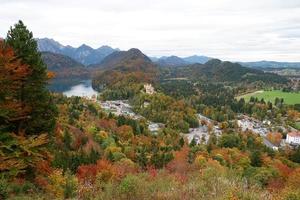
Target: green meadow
{"x": 289, "y": 97}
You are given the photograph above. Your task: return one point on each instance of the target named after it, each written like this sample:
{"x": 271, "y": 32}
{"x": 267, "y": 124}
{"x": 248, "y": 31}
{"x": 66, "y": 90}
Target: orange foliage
{"x": 50, "y": 75}
{"x": 13, "y": 75}
{"x": 125, "y": 132}
{"x": 294, "y": 179}
{"x": 274, "y": 138}
{"x": 44, "y": 168}
{"x": 107, "y": 124}
{"x": 283, "y": 169}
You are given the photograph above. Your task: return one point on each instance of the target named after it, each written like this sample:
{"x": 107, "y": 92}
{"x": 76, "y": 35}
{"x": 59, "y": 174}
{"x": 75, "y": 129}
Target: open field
{"x": 289, "y": 97}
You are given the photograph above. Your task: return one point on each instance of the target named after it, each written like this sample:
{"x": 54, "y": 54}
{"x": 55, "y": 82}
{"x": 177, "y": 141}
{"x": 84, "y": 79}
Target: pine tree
{"x": 35, "y": 92}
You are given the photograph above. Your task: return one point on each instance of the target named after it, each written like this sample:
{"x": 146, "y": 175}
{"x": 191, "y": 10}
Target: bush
{"x": 70, "y": 190}
{"x": 129, "y": 186}
{"x": 3, "y": 188}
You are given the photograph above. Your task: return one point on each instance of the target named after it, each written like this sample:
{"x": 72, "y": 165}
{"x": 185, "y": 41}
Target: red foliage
{"x": 89, "y": 172}
{"x": 283, "y": 169}
{"x": 44, "y": 168}
{"x": 179, "y": 164}
{"x": 124, "y": 167}
{"x": 275, "y": 185}
{"x": 152, "y": 171}
{"x": 41, "y": 181}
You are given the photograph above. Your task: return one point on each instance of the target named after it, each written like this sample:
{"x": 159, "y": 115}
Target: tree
{"x": 274, "y": 138}
{"x": 230, "y": 140}
{"x": 13, "y": 75}
{"x": 34, "y": 92}
{"x": 256, "y": 159}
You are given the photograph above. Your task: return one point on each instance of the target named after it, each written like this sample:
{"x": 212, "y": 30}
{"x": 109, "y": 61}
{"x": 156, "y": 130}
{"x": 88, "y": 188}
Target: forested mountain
{"x": 271, "y": 64}
{"x": 129, "y": 66}
{"x": 83, "y": 54}
{"x": 63, "y": 66}
{"x": 131, "y": 60}
{"x": 216, "y": 70}
{"x": 171, "y": 61}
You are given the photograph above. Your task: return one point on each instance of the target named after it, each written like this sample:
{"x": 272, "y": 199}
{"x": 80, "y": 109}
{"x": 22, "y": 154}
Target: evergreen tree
{"x": 256, "y": 159}
{"x": 35, "y": 92}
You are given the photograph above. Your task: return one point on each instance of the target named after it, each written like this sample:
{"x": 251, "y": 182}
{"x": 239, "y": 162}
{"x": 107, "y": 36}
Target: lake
{"x": 82, "y": 88}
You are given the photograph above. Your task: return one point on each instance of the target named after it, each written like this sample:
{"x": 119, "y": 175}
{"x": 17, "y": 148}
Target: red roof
{"x": 294, "y": 134}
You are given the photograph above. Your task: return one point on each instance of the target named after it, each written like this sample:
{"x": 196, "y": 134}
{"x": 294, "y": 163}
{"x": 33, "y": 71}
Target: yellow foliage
{"x": 57, "y": 183}
{"x": 103, "y": 134}
{"x": 200, "y": 161}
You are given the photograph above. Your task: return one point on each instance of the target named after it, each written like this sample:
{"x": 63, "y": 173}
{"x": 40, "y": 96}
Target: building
{"x": 155, "y": 127}
{"x": 149, "y": 89}
{"x": 293, "y": 138}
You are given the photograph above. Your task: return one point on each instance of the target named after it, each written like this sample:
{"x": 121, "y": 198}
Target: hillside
{"x": 83, "y": 54}
{"x": 131, "y": 65}
{"x": 216, "y": 70}
{"x": 64, "y": 66}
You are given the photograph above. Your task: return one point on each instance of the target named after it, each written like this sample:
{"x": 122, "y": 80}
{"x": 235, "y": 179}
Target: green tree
{"x": 256, "y": 159}
{"x": 230, "y": 140}
{"x": 35, "y": 92}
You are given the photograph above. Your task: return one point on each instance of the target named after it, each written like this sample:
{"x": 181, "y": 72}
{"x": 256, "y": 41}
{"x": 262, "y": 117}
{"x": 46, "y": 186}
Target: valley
{"x": 105, "y": 123}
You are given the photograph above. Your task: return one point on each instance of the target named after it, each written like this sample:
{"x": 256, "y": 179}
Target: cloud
{"x": 227, "y": 29}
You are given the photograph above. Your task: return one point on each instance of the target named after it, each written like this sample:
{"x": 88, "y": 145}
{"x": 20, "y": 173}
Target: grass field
{"x": 289, "y": 97}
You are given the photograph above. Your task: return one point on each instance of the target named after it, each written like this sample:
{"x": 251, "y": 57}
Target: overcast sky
{"x": 237, "y": 30}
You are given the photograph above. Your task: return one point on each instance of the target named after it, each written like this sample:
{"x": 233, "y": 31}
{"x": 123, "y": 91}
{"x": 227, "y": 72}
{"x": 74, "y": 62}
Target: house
{"x": 293, "y": 138}
{"x": 155, "y": 127}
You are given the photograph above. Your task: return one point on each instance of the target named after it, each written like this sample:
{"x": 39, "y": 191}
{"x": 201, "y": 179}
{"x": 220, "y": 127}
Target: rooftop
{"x": 294, "y": 134}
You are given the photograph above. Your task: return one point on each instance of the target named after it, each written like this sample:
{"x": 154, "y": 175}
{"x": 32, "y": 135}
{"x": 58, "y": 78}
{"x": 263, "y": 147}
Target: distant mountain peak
{"x": 135, "y": 50}
{"x": 84, "y": 46}
{"x": 83, "y": 54}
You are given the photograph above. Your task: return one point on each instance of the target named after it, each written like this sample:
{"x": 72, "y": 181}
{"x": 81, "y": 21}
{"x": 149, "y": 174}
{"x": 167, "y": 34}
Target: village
{"x": 207, "y": 126}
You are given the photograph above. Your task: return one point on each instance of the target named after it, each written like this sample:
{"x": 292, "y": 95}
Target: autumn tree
{"x": 275, "y": 138}
{"x": 34, "y": 92}
{"x": 13, "y": 75}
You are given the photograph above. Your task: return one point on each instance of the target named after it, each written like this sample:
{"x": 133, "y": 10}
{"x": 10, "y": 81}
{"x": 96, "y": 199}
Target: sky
{"x": 235, "y": 30}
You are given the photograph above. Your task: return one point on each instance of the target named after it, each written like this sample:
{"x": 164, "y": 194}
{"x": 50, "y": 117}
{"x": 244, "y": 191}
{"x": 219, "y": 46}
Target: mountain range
{"x": 217, "y": 71}
{"x": 83, "y": 54}
{"x": 271, "y": 64}
{"x": 88, "y": 56}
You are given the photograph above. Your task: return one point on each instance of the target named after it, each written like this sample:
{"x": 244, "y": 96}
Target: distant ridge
{"x": 64, "y": 66}
{"x": 175, "y": 61}
{"x": 271, "y": 64}
{"x": 83, "y": 54}
{"x": 171, "y": 61}
{"x": 218, "y": 71}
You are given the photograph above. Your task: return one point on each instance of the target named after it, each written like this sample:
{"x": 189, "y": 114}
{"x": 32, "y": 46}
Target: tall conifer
{"x": 35, "y": 92}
